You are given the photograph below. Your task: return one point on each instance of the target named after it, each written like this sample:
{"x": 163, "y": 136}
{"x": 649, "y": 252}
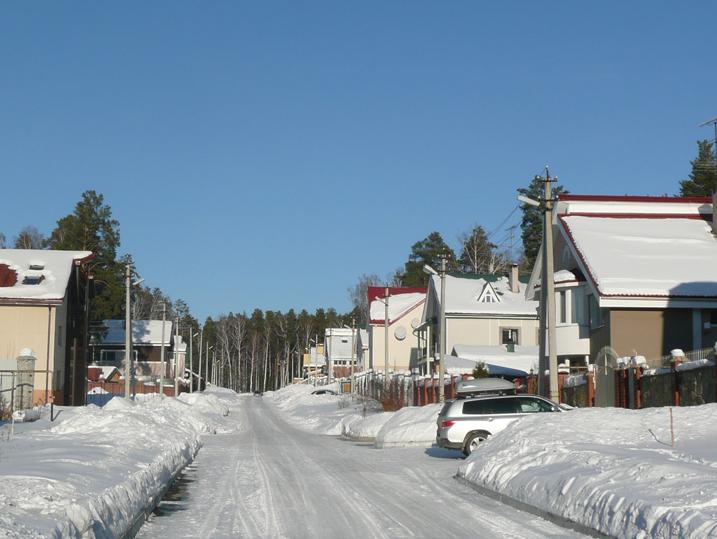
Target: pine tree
{"x": 427, "y": 251}
{"x": 703, "y": 178}
{"x": 91, "y": 228}
{"x": 531, "y": 224}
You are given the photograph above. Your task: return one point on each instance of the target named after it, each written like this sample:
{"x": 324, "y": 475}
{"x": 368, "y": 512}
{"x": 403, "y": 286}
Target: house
{"x": 43, "y": 308}
{"x": 340, "y": 350}
{"x": 107, "y": 346}
{"x": 635, "y": 277}
{"x": 314, "y": 361}
{"x": 480, "y": 310}
{"x": 405, "y": 306}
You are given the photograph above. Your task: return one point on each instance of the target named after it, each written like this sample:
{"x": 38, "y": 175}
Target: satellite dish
{"x": 415, "y": 323}
{"x": 400, "y": 333}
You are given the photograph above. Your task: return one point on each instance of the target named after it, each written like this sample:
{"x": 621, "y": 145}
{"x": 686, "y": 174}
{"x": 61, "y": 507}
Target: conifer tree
{"x": 90, "y": 227}
{"x": 703, "y": 178}
{"x": 427, "y": 251}
{"x": 531, "y": 224}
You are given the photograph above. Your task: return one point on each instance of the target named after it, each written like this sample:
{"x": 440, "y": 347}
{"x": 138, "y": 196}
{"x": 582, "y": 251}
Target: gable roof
{"x": 37, "y": 275}
{"x": 463, "y": 294}
{"x": 645, "y": 255}
{"x": 401, "y": 301}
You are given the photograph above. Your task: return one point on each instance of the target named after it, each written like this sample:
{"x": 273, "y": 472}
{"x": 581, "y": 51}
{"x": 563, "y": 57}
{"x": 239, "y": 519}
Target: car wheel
{"x": 473, "y": 440}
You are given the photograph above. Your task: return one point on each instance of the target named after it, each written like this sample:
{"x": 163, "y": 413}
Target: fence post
{"x": 638, "y": 388}
{"x": 675, "y": 385}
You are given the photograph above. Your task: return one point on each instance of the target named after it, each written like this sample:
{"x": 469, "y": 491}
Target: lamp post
{"x": 547, "y": 292}
{"x": 192, "y": 335}
{"x": 442, "y": 325}
{"x": 206, "y": 364}
{"x": 176, "y": 357}
{"x": 128, "y": 333}
{"x": 201, "y": 343}
{"x": 128, "y": 330}
{"x": 162, "y": 371}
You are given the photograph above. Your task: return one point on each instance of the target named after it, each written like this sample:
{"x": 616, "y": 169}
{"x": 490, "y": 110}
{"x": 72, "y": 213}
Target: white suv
{"x": 465, "y": 423}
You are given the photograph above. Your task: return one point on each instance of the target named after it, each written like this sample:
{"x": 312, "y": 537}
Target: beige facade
{"x": 403, "y": 351}
{"x": 34, "y": 326}
{"x": 489, "y": 331}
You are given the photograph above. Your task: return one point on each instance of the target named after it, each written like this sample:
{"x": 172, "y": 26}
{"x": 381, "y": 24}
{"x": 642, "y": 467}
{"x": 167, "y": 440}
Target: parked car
{"x": 464, "y": 423}
{"x": 324, "y": 392}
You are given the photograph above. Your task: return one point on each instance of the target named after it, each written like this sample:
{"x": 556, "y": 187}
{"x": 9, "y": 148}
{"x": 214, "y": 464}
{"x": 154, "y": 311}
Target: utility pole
{"x": 128, "y": 333}
{"x": 442, "y": 344}
{"x": 201, "y": 343}
{"x": 191, "y": 370}
{"x": 353, "y": 345}
{"x": 386, "y": 293}
{"x": 163, "y": 370}
{"x": 550, "y": 289}
{"x": 176, "y": 358}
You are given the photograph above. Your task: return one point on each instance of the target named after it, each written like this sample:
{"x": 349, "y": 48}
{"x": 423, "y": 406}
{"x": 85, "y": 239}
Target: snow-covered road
{"x": 268, "y": 479}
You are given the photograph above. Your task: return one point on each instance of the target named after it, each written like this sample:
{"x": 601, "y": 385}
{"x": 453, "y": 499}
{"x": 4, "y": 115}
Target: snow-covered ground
{"x": 612, "y": 470}
{"x": 356, "y": 419}
{"x": 282, "y": 478}
{"x": 94, "y": 471}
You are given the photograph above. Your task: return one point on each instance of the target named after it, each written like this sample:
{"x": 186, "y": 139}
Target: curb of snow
{"x": 527, "y": 508}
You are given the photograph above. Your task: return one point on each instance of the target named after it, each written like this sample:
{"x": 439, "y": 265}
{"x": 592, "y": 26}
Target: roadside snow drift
{"x": 413, "y": 425}
{"x": 95, "y": 471}
{"x": 612, "y": 470}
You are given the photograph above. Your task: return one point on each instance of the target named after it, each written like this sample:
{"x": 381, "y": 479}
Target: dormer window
{"x": 33, "y": 279}
{"x": 488, "y": 295}
{"x": 37, "y": 266}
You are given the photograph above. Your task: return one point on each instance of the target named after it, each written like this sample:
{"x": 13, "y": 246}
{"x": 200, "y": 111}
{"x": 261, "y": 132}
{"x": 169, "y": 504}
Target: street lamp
{"x": 192, "y": 336}
{"x": 442, "y": 324}
{"x": 547, "y": 292}
{"x": 128, "y": 330}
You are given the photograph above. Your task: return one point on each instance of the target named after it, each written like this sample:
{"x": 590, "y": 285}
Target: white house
{"x": 340, "y": 350}
{"x": 481, "y": 310}
{"x": 405, "y": 306}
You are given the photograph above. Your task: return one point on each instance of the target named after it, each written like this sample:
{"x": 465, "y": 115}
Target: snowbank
{"x": 95, "y": 471}
{"x": 323, "y": 414}
{"x": 365, "y": 428}
{"x": 413, "y": 425}
{"x": 611, "y": 470}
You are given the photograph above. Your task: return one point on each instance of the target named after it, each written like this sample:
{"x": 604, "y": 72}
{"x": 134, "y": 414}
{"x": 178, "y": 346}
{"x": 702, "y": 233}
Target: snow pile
{"x": 323, "y": 414}
{"x": 413, "y": 425}
{"x": 365, "y": 428}
{"x": 609, "y": 469}
{"x": 97, "y": 470}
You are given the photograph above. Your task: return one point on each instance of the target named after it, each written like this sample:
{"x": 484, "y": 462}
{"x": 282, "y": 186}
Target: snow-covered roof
{"x": 464, "y": 295}
{"x": 649, "y": 256}
{"x": 525, "y": 358}
{"x": 144, "y": 332}
{"x": 400, "y": 302}
{"x": 42, "y": 275}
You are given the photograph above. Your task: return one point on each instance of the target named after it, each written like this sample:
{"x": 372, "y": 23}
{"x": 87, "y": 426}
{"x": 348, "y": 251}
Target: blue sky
{"x": 266, "y": 154}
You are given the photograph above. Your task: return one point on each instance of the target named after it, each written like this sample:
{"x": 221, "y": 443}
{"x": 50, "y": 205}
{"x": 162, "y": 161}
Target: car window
{"x": 530, "y": 405}
{"x": 477, "y": 407}
{"x": 491, "y": 406}
{"x": 505, "y": 406}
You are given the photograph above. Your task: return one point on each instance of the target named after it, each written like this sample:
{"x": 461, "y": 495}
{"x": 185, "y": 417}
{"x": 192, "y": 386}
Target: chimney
{"x": 714, "y": 212}
{"x": 514, "y": 284}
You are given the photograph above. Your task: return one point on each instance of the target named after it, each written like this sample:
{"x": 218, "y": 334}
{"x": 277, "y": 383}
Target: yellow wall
{"x": 27, "y": 327}
{"x": 486, "y": 331}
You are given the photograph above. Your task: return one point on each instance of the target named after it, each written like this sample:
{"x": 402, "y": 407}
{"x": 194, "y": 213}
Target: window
{"x": 562, "y": 307}
{"x": 477, "y": 407}
{"x": 531, "y": 405}
{"x": 33, "y": 279}
{"x": 577, "y": 316}
{"x": 509, "y": 335}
